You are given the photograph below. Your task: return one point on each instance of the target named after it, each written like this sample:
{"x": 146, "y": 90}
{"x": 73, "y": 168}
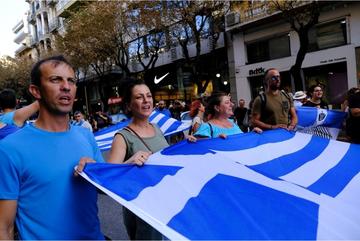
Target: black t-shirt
{"x": 239, "y": 114}
{"x": 322, "y": 104}
{"x": 353, "y": 123}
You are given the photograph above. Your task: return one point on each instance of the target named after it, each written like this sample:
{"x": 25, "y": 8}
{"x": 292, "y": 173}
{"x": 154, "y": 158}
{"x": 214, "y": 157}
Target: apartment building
{"x": 261, "y": 39}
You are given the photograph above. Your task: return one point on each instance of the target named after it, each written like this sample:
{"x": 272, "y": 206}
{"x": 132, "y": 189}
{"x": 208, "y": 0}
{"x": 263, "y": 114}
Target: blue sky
{"x": 11, "y": 11}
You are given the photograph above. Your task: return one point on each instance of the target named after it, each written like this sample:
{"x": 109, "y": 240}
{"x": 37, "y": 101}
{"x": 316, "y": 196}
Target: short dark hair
{"x": 7, "y": 99}
{"x": 312, "y": 88}
{"x": 36, "y": 72}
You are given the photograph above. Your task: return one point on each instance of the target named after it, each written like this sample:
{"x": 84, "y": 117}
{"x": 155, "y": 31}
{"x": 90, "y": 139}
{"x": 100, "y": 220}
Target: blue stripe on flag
{"x": 285, "y": 164}
{"x": 251, "y": 211}
{"x": 247, "y": 140}
{"x": 335, "y": 180}
{"x": 126, "y": 176}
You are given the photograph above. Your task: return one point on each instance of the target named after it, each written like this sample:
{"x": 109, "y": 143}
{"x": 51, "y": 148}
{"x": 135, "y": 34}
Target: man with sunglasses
{"x": 274, "y": 108}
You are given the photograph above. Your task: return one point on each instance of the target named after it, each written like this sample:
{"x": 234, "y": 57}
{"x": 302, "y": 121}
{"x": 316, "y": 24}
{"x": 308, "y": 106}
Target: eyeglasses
{"x": 318, "y": 90}
{"x": 275, "y": 77}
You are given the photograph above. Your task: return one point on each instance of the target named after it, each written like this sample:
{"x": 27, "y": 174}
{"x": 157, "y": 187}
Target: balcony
{"x": 51, "y": 2}
{"x": 43, "y": 36}
{"x": 20, "y": 37}
{"x": 53, "y": 25}
{"x": 33, "y": 41}
{"x": 258, "y": 11}
{"x": 31, "y": 17}
{"x": 21, "y": 49}
{"x": 63, "y": 7}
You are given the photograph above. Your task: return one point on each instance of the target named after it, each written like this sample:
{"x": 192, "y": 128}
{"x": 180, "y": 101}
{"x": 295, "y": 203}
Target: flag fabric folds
{"x": 167, "y": 125}
{"x": 273, "y": 185}
{"x": 320, "y": 122}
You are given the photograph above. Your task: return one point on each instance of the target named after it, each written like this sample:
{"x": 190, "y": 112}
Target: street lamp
{"x": 217, "y": 75}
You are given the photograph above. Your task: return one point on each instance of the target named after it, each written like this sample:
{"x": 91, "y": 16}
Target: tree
{"x": 302, "y": 16}
{"x": 192, "y": 22}
{"x": 15, "y": 74}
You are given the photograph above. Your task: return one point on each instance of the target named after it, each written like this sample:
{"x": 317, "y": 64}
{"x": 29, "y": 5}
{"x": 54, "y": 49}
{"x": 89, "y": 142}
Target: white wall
{"x": 327, "y": 56}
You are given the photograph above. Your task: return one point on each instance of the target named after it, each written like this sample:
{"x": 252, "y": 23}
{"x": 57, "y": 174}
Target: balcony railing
{"x": 51, "y": 2}
{"x": 31, "y": 17}
{"x": 53, "y": 25}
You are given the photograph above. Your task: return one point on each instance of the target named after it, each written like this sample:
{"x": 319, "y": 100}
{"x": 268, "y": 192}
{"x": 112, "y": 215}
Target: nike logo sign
{"x": 157, "y": 80}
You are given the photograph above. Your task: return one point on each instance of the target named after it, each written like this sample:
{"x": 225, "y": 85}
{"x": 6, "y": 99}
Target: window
{"x": 267, "y": 49}
{"x": 328, "y": 35}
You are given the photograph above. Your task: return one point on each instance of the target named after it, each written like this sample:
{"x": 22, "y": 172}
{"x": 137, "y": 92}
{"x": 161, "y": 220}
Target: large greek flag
{"x": 275, "y": 185}
{"x": 320, "y": 122}
{"x": 167, "y": 125}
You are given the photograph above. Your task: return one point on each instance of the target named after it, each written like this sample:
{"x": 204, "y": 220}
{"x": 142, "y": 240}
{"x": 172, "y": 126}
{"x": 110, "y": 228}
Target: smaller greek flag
{"x": 167, "y": 125}
{"x": 320, "y": 122}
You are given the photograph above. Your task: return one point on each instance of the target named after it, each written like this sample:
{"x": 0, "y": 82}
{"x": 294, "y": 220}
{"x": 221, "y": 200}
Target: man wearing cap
{"x": 299, "y": 98}
{"x": 274, "y": 108}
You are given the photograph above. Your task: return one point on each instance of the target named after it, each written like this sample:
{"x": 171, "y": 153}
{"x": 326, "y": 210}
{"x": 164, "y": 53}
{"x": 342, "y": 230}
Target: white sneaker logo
{"x": 157, "y": 80}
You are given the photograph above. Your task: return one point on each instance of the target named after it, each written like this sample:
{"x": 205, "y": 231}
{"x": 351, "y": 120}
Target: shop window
{"x": 328, "y": 35}
{"x": 268, "y": 49}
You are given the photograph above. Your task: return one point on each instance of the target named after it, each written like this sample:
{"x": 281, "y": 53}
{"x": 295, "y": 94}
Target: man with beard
{"x": 38, "y": 190}
{"x": 274, "y": 108}
{"x": 162, "y": 108}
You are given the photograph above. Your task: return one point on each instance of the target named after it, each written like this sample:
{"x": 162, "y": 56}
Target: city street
{"x": 110, "y": 214}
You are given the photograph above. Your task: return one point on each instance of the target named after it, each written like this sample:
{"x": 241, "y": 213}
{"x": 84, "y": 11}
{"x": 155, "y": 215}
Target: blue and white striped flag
{"x": 320, "y": 122}
{"x": 167, "y": 125}
{"x": 275, "y": 185}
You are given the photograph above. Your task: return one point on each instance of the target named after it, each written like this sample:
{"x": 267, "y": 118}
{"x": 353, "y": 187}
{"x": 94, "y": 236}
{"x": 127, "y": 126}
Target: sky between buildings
{"x": 11, "y": 11}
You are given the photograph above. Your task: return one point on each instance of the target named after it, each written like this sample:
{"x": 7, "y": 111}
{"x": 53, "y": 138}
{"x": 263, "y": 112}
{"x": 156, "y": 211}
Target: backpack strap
{"x": 286, "y": 95}
{"x": 211, "y": 130}
{"x": 263, "y": 102}
{"x": 129, "y": 129}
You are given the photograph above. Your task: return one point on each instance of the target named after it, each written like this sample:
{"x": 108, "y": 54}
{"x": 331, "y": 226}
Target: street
{"x": 110, "y": 214}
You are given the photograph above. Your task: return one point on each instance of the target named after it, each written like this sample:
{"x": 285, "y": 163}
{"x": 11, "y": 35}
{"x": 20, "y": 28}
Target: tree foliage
{"x": 302, "y": 16}
{"x": 194, "y": 21}
{"x": 15, "y": 74}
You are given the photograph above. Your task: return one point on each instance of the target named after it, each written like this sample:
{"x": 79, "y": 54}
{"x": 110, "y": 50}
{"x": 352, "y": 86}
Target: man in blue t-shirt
{"x": 38, "y": 190}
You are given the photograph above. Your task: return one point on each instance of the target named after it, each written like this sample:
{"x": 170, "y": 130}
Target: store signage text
{"x": 257, "y": 71}
{"x": 332, "y": 60}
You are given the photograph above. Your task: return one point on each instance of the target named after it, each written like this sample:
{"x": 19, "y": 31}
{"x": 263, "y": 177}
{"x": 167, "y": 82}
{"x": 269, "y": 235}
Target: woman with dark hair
{"x": 316, "y": 94}
{"x": 196, "y": 112}
{"x": 134, "y": 144}
{"x": 220, "y": 109}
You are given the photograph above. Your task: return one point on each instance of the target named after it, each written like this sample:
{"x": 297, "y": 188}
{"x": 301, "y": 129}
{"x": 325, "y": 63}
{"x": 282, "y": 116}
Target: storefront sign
{"x": 257, "y": 71}
{"x": 332, "y": 60}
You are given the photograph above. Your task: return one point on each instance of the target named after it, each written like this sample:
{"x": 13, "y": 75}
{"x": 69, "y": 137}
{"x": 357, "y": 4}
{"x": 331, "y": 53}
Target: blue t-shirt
{"x": 7, "y": 130}
{"x": 37, "y": 170}
{"x": 205, "y": 130}
{"x": 8, "y": 118}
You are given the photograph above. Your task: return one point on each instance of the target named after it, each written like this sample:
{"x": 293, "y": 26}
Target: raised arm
{"x": 24, "y": 113}
{"x": 7, "y": 218}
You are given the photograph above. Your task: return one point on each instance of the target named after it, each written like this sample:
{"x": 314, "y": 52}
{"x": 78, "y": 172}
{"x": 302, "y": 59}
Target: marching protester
{"x": 12, "y": 116}
{"x": 299, "y": 98}
{"x": 80, "y": 121}
{"x": 274, "y": 108}
{"x": 162, "y": 108}
{"x": 353, "y": 121}
{"x": 38, "y": 190}
{"x": 197, "y": 110}
{"x": 220, "y": 109}
{"x": 134, "y": 144}
{"x": 241, "y": 116}
{"x": 316, "y": 93}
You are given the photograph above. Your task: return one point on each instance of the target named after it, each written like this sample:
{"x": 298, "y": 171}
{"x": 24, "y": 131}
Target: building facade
{"x": 261, "y": 39}
{"x": 170, "y": 79}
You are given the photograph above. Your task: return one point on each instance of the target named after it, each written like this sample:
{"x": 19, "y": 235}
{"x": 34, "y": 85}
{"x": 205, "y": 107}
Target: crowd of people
{"x": 39, "y": 189}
